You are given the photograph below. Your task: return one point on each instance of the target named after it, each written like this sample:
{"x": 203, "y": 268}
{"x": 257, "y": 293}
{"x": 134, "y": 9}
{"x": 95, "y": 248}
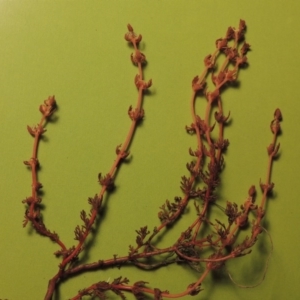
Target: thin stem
{"x": 94, "y": 212}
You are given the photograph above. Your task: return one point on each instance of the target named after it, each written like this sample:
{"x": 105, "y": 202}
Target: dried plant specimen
{"x": 203, "y": 252}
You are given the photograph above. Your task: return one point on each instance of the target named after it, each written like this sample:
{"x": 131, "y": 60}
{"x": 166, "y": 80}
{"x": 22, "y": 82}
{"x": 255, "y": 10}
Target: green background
{"x": 76, "y": 51}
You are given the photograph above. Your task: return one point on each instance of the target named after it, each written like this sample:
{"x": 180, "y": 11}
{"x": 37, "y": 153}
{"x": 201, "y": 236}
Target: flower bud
{"x": 221, "y": 43}
{"x": 277, "y": 114}
{"x": 209, "y": 62}
{"x": 252, "y": 191}
{"x": 245, "y": 48}
{"x": 275, "y": 126}
{"x": 129, "y": 27}
{"x": 197, "y": 85}
{"x": 50, "y": 101}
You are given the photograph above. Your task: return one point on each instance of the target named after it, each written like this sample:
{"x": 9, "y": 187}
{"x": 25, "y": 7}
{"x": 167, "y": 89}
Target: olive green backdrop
{"x": 76, "y": 51}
